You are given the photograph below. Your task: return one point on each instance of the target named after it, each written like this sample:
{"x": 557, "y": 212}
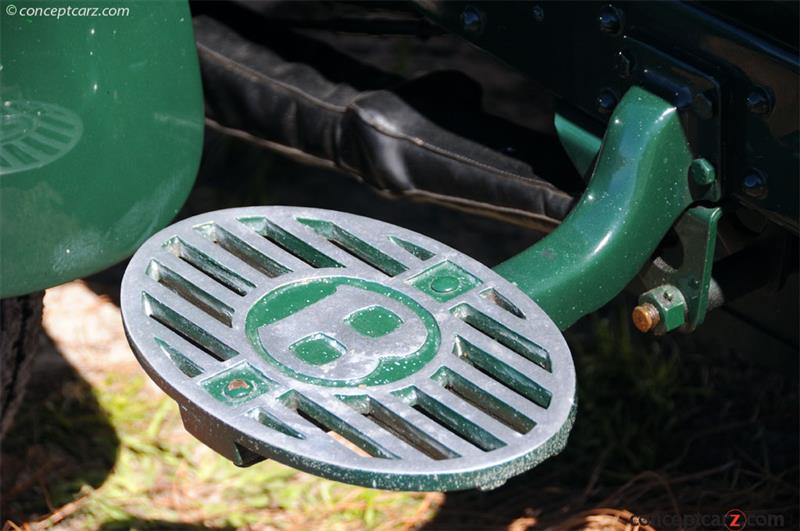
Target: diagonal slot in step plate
{"x": 348, "y": 348}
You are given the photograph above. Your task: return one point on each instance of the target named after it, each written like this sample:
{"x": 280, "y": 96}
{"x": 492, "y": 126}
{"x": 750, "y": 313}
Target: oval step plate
{"x": 348, "y": 348}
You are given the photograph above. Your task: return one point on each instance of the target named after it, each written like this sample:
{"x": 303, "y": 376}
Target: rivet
{"x": 760, "y": 101}
{"x": 445, "y": 284}
{"x": 610, "y": 20}
{"x": 538, "y": 13}
{"x": 606, "y": 101}
{"x": 472, "y": 20}
{"x": 754, "y": 184}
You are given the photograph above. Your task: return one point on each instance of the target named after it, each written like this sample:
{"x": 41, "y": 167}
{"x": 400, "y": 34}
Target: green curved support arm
{"x": 637, "y": 191}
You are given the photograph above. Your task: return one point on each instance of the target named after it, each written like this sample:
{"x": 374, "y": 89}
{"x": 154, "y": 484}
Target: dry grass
{"x": 660, "y": 432}
{"x": 157, "y": 476}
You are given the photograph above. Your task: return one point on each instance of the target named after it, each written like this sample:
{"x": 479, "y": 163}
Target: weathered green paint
{"x": 290, "y": 299}
{"x": 102, "y": 133}
{"x": 374, "y": 321}
{"x": 318, "y": 349}
{"x": 444, "y": 281}
{"x": 638, "y": 189}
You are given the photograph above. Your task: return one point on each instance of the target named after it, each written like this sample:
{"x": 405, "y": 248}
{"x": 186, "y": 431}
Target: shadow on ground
{"x": 61, "y": 441}
{"x": 675, "y": 432}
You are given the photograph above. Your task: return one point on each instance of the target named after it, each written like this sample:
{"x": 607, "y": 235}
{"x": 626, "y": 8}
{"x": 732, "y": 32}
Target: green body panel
{"x": 101, "y": 138}
{"x": 638, "y": 189}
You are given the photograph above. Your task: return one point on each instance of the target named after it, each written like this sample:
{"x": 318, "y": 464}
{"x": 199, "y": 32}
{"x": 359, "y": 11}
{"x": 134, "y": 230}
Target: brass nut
{"x": 645, "y": 317}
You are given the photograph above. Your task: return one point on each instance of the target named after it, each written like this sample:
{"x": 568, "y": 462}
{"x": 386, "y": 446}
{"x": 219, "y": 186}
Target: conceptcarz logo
{"x": 733, "y": 520}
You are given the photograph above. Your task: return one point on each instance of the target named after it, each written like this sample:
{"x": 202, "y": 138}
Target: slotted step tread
{"x": 348, "y": 348}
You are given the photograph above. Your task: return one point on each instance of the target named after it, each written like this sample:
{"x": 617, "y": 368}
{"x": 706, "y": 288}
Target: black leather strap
{"x": 384, "y": 136}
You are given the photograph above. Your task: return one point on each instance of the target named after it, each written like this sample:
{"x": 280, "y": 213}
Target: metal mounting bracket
{"x": 639, "y": 188}
{"x": 697, "y": 232}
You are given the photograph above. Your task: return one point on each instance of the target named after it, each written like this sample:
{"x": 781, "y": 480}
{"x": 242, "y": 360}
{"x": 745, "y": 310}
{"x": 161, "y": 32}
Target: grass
{"x": 104, "y": 449}
{"x": 661, "y": 431}
{"x": 162, "y": 478}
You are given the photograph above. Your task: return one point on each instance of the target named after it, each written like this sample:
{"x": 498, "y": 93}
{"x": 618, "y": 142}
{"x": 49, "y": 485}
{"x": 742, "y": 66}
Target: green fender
{"x": 102, "y": 128}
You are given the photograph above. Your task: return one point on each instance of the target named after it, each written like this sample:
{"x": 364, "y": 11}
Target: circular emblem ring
{"x": 342, "y": 331}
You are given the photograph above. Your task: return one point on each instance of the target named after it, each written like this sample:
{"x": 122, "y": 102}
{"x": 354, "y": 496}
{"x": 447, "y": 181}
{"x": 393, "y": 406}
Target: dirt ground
{"x": 670, "y": 433}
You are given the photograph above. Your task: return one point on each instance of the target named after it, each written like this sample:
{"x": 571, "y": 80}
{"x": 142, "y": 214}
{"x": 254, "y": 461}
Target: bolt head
{"x": 610, "y": 20}
{"x": 754, "y": 184}
{"x": 702, "y": 172}
{"x": 472, "y": 20}
{"x": 606, "y": 101}
{"x": 538, "y": 13}
{"x": 760, "y": 101}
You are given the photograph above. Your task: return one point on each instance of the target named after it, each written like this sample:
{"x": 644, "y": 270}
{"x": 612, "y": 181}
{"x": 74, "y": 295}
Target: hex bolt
{"x": 661, "y": 310}
{"x": 606, "y": 101}
{"x": 538, "y": 13}
{"x": 472, "y": 20}
{"x": 760, "y": 101}
{"x": 702, "y": 172}
{"x": 754, "y": 184}
{"x": 610, "y": 20}
{"x": 645, "y": 317}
